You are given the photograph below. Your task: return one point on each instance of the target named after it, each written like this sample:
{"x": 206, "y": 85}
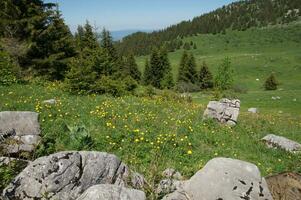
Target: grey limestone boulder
{"x": 274, "y": 141}
{"x": 27, "y": 131}
{"x": 50, "y": 101}
{"x": 253, "y": 110}
{"x": 224, "y": 178}
{"x": 111, "y": 192}
{"x": 225, "y": 111}
{"x": 66, "y": 175}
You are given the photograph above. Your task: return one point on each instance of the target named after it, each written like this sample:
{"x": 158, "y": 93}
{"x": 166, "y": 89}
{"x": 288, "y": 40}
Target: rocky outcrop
{"x": 111, "y": 192}
{"x": 274, "y": 141}
{"x": 66, "y": 175}
{"x": 224, "y": 178}
{"x": 27, "y": 131}
{"x": 285, "y": 186}
{"x": 225, "y": 111}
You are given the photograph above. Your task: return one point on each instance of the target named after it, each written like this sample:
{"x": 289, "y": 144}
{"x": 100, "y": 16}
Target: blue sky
{"x": 134, "y": 14}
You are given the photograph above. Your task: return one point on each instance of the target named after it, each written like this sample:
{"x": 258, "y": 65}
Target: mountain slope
{"x": 237, "y": 16}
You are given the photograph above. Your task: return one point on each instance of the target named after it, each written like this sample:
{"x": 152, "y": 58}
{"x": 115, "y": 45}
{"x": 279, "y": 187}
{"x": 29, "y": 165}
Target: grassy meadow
{"x": 151, "y": 134}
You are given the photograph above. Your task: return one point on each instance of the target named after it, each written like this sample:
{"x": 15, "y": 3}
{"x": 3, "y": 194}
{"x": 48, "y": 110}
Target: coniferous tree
{"x": 191, "y": 69}
{"x": 271, "y": 83}
{"x": 187, "y": 69}
{"x": 147, "y": 74}
{"x": 131, "y": 68}
{"x": 52, "y": 48}
{"x": 183, "y": 68}
{"x": 205, "y": 77}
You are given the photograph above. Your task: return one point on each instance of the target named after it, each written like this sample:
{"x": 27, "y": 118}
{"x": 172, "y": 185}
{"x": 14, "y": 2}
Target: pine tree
{"x": 155, "y": 69}
{"x": 147, "y": 75}
{"x": 88, "y": 37}
{"x": 224, "y": 78}
{"x": 192, "y": 72}
{"x": 205, "y": 77}
{"x": 187, "y": 70}
{"x": 131, "y": 68}
{"x": 81, "y": 77}
{"x": 52, "y": 48}
{"x": 271, "y": 83}
{"x": 183, "y": 68}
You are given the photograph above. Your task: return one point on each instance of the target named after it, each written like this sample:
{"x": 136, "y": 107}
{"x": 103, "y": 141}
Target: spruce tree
{"x": 155, "y": 70}
{"x": 183, "y": 68}
{"x": 52, "y": 48}
{"x": 271, "y": 83}
{"x": 187, "y": 69}
{"x": 147, "y": 74}
{"x": 131, "y": 68}
{"x": 191, "y": 70}
{"x": 205, "y": 77}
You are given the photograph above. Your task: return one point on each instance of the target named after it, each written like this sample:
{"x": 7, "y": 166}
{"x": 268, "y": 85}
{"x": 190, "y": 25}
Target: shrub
{"x": 224, "y": 78}
{"x": 107, "y": 85}
{"x": 130, "y": 83}
{"x": 271, "y": 83}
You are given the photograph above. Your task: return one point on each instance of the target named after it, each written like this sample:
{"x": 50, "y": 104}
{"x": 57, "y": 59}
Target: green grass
{"x": 151, "y": 134}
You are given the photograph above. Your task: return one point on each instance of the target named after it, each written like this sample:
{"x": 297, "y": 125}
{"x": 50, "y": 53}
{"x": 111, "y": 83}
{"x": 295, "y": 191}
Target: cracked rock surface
{"x": 111, "y": 192}
{"x": 66, "y": 175}
{"x": 225, "y": 111}
{"x": 274, "y": 141}
{"x": 27, "y": 128}
{"x": 223, "y": 179}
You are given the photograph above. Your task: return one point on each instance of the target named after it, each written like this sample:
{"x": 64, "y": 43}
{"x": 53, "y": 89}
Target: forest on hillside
{"x": 239, "y": 15}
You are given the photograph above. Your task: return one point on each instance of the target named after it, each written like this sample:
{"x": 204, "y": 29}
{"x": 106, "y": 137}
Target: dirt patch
{"x": 285, "y": 186}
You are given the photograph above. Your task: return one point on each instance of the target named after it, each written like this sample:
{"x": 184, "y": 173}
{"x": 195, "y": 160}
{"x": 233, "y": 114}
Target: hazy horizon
{"x": 120, "y": 15}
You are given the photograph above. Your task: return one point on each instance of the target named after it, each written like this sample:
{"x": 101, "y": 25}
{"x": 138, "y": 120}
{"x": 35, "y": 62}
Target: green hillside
{"x": 254, "y": 54}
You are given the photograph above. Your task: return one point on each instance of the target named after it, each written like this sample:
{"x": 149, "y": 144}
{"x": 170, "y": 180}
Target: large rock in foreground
{"x": 27, "y": 128}
{"x": 111, "y": 192}
{"x": 225, "y": 111}
{"x": 274, "y": 141}
{"x": 224, "y": 178}
{"x": 66, "y": 175}
{"x": 285, "y": 186}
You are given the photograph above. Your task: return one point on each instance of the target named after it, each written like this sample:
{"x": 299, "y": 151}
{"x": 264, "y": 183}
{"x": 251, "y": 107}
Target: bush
{"x": 8, "y": 69}
{"x": 271, "y": 83}
{"x": 130, "y": 83}
{"x": 224, "y": 78}
{"x": 107, "y": 85}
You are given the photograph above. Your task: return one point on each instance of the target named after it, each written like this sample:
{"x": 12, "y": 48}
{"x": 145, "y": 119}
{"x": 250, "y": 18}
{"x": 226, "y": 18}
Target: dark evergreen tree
{"x": 271, "y": 83}
{"x": 131, "y": 68}
{"x": 205, "y": 77}
{"x": 187, "y": 69}
{"x": 52, "y": 48}
{"x": 191, "y": 69}
{"x": 147, "y": 75}
{"x": 183, "y": 68}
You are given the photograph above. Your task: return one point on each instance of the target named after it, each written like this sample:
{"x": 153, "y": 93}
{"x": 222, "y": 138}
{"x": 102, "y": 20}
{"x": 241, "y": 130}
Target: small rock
{"x": 224, "y": 178}
{"x": 167, "y": 186}
{"x": 111, "y": 192}
{"x": 274, "y": 141}
{"x": 138, "y": 180}
{"x": 285, "y": 186}
{"x": 225, "y": 111}
{"x": 253, "y": 110}
{"x": 294, "y": 100}
{"x": 172, "y": 174}
{"x": 8, "y": 160}
{"x": 27, "y": 128}
{"x": 50, "y": 101}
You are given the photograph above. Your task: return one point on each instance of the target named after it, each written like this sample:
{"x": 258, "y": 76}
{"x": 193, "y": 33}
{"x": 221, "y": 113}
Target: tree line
{"x": 239, "y": 15}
